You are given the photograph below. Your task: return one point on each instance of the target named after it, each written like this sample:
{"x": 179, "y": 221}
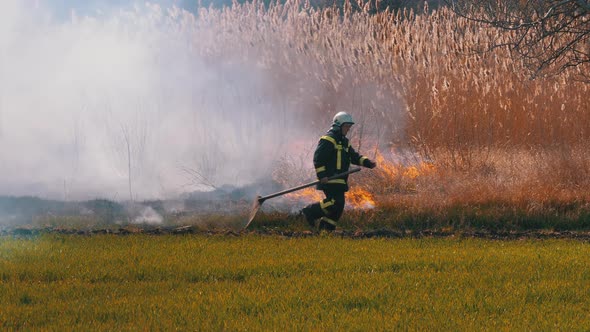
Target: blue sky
{"x": 63, "y": 8}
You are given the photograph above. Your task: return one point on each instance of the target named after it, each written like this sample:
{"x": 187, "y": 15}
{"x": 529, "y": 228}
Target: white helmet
{"x": 341, "y": 118}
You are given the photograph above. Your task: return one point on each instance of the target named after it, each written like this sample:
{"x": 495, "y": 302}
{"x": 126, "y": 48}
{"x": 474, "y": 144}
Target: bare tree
{"x": 551, "y": 36}
{"x": 128, "y": 144}
{"x": 127, "y": 137}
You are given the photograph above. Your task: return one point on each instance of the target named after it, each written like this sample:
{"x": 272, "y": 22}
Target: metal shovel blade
{"x": 255, "y": 207}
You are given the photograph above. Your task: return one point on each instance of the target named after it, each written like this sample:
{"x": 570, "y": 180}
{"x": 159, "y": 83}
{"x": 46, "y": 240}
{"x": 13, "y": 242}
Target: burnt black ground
{"x": 356, "y": 234}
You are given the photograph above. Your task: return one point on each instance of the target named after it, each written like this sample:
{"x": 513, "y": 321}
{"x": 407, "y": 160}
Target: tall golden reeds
{"x": 421, "y": 81}
{"x": 422, "y": 68}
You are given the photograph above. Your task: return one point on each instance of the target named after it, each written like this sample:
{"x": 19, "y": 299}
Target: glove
{"x": 371, "y": 164}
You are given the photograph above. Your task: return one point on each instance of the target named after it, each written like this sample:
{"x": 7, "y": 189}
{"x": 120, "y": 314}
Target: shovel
{"x": 259, "y": 200}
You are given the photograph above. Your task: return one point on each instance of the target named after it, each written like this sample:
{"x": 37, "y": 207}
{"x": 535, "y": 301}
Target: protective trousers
{"x": 328, "y": 210}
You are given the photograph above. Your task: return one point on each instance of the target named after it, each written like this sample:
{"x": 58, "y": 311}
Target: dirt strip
{"x": 376, "y": 233}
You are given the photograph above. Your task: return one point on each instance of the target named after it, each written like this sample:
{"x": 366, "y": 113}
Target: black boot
{"x": 324, "y": 225}
{"x": 308, "y": 214}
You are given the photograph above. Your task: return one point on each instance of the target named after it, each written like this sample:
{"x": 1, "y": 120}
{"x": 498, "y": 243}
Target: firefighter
{"x": 333, "y": 155}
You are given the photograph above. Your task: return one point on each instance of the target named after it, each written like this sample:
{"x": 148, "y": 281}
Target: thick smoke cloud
{"x": 97, "y": 97}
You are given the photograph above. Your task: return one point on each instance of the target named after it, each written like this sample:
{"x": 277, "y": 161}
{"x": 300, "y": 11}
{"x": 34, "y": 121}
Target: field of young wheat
{"x": 212, "y": 283}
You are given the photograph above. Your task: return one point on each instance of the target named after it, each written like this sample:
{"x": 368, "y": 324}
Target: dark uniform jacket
{"x": 334, "y": 155}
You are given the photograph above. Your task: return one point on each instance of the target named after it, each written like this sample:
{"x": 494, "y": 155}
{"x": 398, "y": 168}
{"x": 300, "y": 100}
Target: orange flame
{"x": 359, "y": 198}
{"x": 392, "y": 170}
{"x": 389, "y": 176}
{"x": 386, "y": 166}
{"x": 308, "y": 195}
{"x": 355, "y": 198}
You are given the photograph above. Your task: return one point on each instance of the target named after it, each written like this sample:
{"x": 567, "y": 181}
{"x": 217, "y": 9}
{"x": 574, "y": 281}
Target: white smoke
{"x": 148, "y": 216}
{"x": 93, "y": 101}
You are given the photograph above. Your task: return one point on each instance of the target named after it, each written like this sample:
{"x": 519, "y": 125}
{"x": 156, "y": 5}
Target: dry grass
{"x": 416, "y": 82}
{"x": 420, "y": 70}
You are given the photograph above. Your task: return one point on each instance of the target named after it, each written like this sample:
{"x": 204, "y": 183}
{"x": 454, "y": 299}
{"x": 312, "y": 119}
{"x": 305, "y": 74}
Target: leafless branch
{"x": 196, "y": 178}
{"x": 551, "y": 36}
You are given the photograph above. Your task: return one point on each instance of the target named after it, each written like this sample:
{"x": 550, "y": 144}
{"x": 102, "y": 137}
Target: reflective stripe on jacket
{"x": 334, "y": 155}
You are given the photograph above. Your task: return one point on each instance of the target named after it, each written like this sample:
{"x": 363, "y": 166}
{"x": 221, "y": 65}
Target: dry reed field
{"x": 463, "y": 137}
{"x": 482, "y": 136}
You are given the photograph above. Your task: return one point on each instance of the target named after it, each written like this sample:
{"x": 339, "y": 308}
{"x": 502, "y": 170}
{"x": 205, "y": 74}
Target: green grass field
{"x": 323, "y": 282}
